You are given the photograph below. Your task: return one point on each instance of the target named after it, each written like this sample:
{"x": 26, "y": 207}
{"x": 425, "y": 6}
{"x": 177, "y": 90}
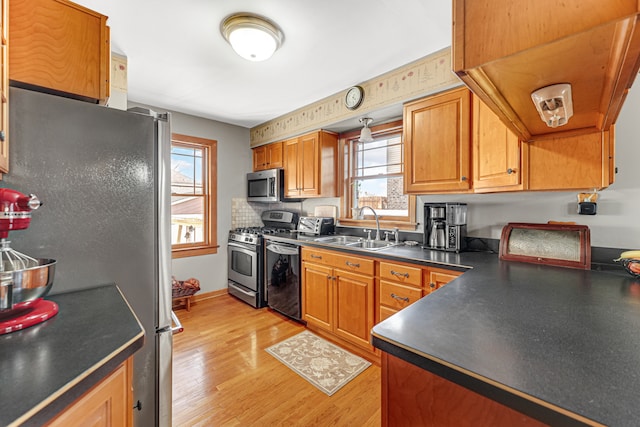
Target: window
{"x": 374, "y": 176}
{"x": 193, "y": 196}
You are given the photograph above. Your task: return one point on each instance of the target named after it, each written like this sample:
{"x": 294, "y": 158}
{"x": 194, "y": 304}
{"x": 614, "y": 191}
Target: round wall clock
{"x": 354, "y": 97}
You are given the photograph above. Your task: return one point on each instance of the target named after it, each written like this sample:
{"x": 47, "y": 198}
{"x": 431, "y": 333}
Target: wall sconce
{"x": 253, "y": 37}
{"x": 365, "y": 133}
{"x": 554, "y": 104}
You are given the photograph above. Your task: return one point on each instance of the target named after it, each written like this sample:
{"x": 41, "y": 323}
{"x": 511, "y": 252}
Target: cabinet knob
{"x": 329, "y": 277}
{"x": 510, "y": 171}
{"x": 2, "y": 135}
{"x": 464, "y": 178}
{"x": 432, "y": 285}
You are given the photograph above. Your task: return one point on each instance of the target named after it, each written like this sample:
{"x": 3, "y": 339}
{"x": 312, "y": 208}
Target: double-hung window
{"x": 193, "y": 196}
{"x": 374, "y": 177}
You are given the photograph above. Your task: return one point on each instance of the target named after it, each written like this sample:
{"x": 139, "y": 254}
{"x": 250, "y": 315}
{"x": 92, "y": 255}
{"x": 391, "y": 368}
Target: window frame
{"x": 346, "y": 170}
{"x": 209, "y": 149}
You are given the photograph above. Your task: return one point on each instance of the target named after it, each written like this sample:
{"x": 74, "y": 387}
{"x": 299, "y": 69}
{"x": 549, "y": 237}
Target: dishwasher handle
{"x": 281, "y": 249}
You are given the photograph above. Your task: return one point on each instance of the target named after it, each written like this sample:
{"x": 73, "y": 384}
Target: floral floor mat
{"x": 325, "y": 365}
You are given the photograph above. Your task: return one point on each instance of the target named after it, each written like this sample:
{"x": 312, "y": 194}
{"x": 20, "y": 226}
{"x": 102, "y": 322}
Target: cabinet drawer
{"x": 318, "y": 256}
{"x": 401, "y": 273}
{"x": 354, "y": 264}
{"x": 386, "y": 312}
{"x": 398, "y": 296}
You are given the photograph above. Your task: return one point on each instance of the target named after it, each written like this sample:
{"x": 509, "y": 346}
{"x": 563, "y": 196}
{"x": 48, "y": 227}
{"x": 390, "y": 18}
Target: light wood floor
{"x": 222, "y": 376}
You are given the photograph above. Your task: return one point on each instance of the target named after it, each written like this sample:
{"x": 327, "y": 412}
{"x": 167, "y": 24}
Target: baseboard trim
{"x": 212, "y": 294}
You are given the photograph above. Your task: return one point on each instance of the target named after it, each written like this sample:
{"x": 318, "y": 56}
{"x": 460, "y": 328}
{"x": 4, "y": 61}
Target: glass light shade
{"x": 252, "y": 43}
{"x": 252, "y": 37}
{"x": 365, "y": 135}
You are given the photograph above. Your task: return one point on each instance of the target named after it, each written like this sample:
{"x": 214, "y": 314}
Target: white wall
{"x": 617, "y": 223}
{"x": 234, "y": 161}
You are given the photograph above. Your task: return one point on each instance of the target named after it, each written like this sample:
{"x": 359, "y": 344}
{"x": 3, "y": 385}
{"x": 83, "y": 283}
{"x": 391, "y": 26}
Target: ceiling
{"x": 178, "y": 60}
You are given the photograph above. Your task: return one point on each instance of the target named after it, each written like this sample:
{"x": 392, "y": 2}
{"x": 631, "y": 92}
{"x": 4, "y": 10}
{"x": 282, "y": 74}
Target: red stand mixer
{"x": 24, "y": 280}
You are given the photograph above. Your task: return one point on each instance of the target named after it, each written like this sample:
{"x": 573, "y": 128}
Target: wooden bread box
{"x": 560, "y": 244}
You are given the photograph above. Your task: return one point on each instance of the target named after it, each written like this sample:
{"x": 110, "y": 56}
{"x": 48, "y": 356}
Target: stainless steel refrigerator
{"x": 103, "y": 177}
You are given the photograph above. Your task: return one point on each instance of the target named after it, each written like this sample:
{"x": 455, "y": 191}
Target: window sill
{"x": 384, "y": 224}
{"x": 196, "y": 251}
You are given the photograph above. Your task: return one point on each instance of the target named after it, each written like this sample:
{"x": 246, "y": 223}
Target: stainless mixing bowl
{"x": 19, "y": 289}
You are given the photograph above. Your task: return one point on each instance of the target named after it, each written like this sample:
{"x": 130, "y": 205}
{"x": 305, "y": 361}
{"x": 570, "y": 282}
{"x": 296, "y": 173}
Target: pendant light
{"x": 253, "y": 37}
{"x": 365, "y": 133}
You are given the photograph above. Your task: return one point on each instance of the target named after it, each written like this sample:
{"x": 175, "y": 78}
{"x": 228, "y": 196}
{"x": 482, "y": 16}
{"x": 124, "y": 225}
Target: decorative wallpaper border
{"x": 425, "y": 76}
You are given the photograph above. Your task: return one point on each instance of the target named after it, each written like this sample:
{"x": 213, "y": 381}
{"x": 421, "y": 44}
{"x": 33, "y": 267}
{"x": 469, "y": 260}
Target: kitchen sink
{"x": 372, "y": 245}
{"x": 355, "y": 242}
{"x": 339, "y": 240}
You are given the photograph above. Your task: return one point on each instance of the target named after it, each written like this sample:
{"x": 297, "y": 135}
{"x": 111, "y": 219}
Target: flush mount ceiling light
{"x": 365, "y": 133}
{"x": 253, "y": 37}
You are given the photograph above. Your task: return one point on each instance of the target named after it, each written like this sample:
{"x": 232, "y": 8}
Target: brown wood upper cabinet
{"x": 267, "y": 156}
{"x": 595, "y": 48}
{"x": 437, "y": 143}
{"x": 59, "y": 47}
{"x": 310, "y": 165}
{"x": 498, "y": 163}
{"x": 572, "y": 162}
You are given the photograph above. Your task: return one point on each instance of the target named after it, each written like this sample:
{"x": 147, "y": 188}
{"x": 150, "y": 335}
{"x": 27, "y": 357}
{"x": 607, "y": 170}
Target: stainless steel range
{"x": 245, "y": 249}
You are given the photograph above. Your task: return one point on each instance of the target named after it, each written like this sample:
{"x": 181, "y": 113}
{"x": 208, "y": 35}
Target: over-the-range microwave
{"x": 265, "y": 186}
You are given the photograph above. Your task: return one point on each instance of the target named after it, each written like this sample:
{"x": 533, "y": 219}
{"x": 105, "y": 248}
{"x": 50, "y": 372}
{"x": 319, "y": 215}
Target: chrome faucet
{"x": 377, "y": 221}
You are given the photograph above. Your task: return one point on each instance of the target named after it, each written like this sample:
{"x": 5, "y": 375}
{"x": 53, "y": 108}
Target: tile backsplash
{"x": 247, "y": 214}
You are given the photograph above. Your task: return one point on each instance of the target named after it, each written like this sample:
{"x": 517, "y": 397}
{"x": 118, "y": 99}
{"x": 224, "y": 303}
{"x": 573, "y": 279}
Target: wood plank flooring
{"x": 222, "y": 376}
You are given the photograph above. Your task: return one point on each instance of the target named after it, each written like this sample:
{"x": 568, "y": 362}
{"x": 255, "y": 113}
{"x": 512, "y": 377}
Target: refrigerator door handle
{"x": 178, "y": 328}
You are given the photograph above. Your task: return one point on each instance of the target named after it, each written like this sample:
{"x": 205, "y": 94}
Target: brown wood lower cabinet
{"x": 412, "y": 396}
{"x": 338, "y": 295}
{"x": 344, "y": 295}
{"x": 401, "y": 285}
{"x": 108, "y": 404}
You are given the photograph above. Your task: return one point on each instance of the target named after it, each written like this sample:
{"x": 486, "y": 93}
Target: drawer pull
{"x": 395, "y": 273}
{"x": 315, "y": 256}
{"x": 352, "y": 264}
{"x": 399, "y": 298}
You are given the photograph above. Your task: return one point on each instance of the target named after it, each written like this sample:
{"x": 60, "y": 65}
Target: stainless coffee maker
{"x": 445, "y": 226}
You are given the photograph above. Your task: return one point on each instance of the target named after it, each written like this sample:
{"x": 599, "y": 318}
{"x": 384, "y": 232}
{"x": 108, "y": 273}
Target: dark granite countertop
{"x": 46, "y": 367}
{"x": 561, "y": 345}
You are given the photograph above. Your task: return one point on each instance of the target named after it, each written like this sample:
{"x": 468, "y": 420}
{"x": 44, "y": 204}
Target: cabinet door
{"x": 571, "y": 163}
{"x": 496, "y": 152}
{"x": 259, "y": 158}
{"x": 317, "y": 307}
{"x": 274, "y": 155}
{"x": 71, "y": 56}
{"x": 309, "y": 165}
{"x": 107, "y": 404}
{"x": 354, "y": 307}
{"x": 292, "y": 151}
{"x": 435, "y": 279}
{"x": 437, "y": 143}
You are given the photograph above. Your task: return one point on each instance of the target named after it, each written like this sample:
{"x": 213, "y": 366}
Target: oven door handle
{"x": 283, "y": 249}
{"x": 241, "y": 247}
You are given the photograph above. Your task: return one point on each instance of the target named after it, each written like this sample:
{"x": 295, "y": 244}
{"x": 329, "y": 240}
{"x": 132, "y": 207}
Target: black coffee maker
{"x": 445, "y": 226}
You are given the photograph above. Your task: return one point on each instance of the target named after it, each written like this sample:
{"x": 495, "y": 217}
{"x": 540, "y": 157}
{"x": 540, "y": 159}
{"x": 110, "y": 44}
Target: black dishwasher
{"x": 282, "y": 278}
